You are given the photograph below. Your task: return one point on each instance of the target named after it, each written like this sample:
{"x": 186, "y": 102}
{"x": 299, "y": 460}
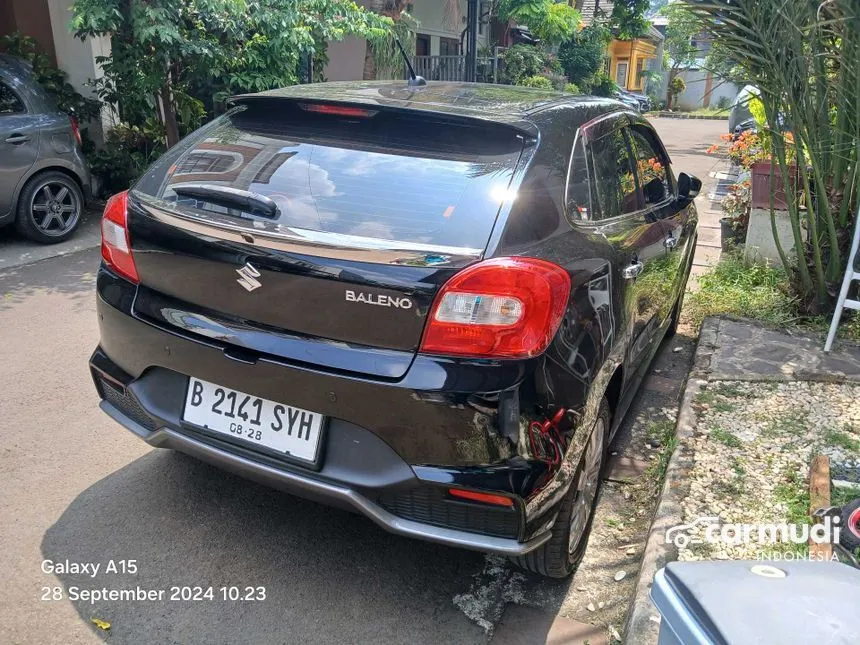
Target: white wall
{"x": 693, "y": 97}
{"x": 77, "y": 58}
{"x": 346, "y": 59}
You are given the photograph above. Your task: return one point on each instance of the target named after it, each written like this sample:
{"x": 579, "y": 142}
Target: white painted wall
{"x": 77, "y": 58}
{"x": 346, "y": 59}
{"x": 693, "y": 97}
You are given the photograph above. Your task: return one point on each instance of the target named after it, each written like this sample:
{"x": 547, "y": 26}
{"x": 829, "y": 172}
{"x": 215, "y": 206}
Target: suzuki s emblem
{"x": 248, "y": 275}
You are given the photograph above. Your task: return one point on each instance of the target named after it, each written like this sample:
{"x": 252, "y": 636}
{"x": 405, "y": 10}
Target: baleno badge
{"x": 248, "y": 277}
{"x": 378, "y": 300}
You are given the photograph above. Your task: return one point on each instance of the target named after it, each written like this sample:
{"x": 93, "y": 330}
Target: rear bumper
{"x": 310, "y": 486}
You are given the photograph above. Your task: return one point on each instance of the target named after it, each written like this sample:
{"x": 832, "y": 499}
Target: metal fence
{"x": 453, "y": 68}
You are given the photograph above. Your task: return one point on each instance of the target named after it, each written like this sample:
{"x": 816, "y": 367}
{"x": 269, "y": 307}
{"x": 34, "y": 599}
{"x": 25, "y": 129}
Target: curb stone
{"x": 643, "y": 620}
{"x": 682, "y": 115}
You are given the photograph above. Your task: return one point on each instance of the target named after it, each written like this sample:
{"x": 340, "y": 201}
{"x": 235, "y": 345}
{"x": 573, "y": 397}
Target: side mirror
{"x": 688, "y": 186}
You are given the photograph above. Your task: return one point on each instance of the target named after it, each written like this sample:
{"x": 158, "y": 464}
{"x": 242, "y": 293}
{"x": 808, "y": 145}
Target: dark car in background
{"x": 44, "y": 179}
{"x": 430, "y": 305}
{"x": 639, "y": 102}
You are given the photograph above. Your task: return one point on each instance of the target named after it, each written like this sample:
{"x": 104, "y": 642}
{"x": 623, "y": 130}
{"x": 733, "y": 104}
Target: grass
{"x": 760, "y": 292}
{"x": 793, "y": 492}
{"x": 841, "y": 495}
{"x": 725, "y": 437}
{"x": 841, "y": 439}
{"x": 664, "y": 432}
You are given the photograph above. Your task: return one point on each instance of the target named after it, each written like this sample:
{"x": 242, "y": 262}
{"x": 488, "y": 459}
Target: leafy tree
{"x": 583, "y": 55}
{"x": 804, "y": 58}
{"x": 681, "y": 28}
{"x": 628, "y": 19}
{"x": 552, "y": 22}
{"x": 164, "y": 50}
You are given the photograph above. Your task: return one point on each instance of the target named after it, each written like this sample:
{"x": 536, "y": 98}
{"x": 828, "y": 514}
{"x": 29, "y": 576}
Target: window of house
{"x": 621, "y": 68}
{"x": 422, "y": 45}
{"x": 613, "y": 184}
{"x": 9, "y": 101}
{"x": 640, "y": 72}
{"x": 449, "y": 47}
{"x": 652, "y": 167}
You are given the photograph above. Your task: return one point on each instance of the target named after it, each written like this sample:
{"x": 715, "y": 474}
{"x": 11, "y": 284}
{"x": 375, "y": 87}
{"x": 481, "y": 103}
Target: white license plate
{"x": 276, "y": 426}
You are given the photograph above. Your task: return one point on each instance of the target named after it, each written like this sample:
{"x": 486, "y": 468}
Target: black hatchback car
{"x": 431, "y": 305}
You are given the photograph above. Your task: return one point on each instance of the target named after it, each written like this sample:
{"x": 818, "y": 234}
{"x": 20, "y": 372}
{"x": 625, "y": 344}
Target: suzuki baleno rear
{"x": 326, "y": 290}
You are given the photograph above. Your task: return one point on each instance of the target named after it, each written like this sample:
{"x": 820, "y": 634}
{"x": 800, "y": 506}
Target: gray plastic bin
{"x": 752, "y": 603}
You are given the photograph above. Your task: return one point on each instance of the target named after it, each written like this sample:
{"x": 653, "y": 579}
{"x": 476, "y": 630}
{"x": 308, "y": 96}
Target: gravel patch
{"x": 752, "y": 451}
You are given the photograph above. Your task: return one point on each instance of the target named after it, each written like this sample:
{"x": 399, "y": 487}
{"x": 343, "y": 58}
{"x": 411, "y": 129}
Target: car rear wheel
{"x": 561, "y": 554}
{"x": 49, "y": 208}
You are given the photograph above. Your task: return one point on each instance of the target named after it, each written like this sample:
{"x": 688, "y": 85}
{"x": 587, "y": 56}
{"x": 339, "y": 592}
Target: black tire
{"x": 49, "y": 207}
{"x": 560, "y": 555}
{"x": 850, "y": 523}
{"x": 672, "y": 329}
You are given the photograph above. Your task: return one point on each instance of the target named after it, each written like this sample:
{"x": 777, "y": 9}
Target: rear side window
{"x": 410, "y": 177}
{"x": 613, "y": 184}
{"x": 9, "y": 101}
{"x": 578, "y": 196}
{"x": 652, "y": 167}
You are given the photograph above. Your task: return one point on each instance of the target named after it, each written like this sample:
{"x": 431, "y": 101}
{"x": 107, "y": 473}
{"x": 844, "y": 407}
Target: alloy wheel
{"x": 55, "y": 208}
{"x": 586, "y": 486}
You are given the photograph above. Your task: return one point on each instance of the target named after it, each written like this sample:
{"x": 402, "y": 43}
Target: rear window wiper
{"x": 244, "y": 200}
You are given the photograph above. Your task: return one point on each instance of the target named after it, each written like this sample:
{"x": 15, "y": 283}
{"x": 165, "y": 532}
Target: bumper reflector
{"x": 485, "y": 498}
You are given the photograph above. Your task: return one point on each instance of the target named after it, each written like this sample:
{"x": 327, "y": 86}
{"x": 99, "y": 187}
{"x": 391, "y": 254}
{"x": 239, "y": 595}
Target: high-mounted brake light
{"x": 116, "y": 246}
{"x": 484, "y": 498}
{"x": 336, "y": 110}
{"x": 499, "y": 308}
{"x": 76, "y": 130}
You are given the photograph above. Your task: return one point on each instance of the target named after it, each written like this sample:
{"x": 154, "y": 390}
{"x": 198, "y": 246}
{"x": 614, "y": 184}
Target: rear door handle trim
{"x": 17, "y": 138}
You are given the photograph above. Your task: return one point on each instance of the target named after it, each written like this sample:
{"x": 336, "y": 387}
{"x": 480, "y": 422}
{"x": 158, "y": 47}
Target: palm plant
{"x": 804, "y": 56}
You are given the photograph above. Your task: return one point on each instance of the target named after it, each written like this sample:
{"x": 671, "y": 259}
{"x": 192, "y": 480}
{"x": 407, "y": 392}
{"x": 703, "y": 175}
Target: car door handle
{"x": 670, "y": 242}
{"x": 632, "y": 270}
{"x": 17, "y": 138}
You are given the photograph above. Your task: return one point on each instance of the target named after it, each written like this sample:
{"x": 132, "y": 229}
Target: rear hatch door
{"x": 317, "y": 222}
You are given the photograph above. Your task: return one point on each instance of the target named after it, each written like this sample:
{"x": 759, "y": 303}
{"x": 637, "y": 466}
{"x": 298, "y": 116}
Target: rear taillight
{"x": 76, "y": 130}
{"x": 499, "y": 308}
{"x": 116, "y": 247}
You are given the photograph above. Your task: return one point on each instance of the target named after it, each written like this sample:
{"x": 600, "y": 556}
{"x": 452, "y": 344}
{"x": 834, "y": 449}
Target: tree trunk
{"x": 369, "y": 63}
{"x": 168, "y": 115}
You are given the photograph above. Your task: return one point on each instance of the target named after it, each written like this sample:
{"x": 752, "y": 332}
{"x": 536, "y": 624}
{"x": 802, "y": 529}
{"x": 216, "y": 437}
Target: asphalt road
{"x": 76, "y": 487}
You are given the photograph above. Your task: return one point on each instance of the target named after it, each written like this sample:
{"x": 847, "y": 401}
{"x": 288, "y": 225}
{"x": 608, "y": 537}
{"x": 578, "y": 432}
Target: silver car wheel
{"x": 55, "y": 207}
{"x": 587, "y": 484}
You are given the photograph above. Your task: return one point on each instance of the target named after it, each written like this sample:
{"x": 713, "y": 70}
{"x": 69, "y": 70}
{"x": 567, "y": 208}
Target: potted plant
{"x": 736, "y": 206}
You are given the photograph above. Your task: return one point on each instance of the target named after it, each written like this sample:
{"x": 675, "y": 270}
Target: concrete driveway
{"x": 76, "y": 487}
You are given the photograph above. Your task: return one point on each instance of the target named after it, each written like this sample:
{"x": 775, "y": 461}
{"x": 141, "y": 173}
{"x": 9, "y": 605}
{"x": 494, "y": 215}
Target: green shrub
{"x": 127, "y": 152}
{"x": 603, "y": 85}
{"x": 582, "y": 56}
{"x": 724, "y": 103}
{"x": 522, "y": 61}
{"x": 572, "y": 88}
{"x": 536, "y": 81}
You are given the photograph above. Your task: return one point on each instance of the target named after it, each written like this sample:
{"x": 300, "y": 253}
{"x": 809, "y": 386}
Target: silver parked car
{"x": 44, "y": 180}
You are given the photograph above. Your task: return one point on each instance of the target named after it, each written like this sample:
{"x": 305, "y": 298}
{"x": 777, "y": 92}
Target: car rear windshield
{"x": 385, "y": 174}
